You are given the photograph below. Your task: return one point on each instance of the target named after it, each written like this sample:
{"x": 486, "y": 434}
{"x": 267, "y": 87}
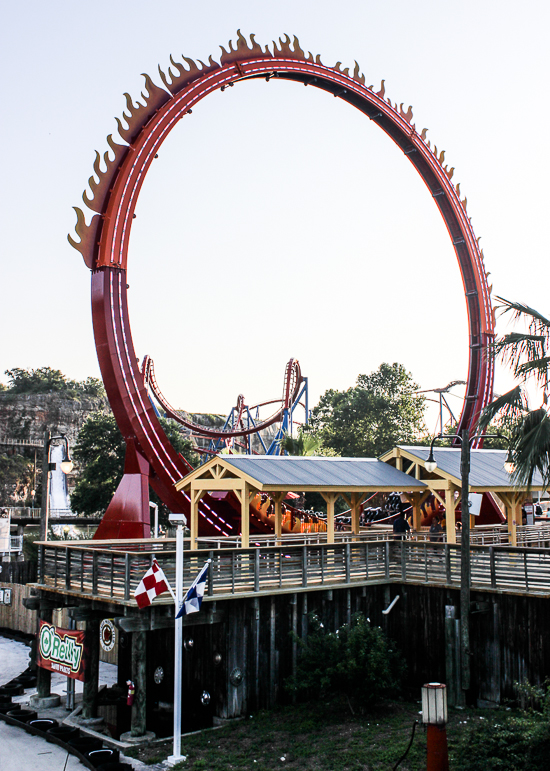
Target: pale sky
{"x": 278, "y": 221}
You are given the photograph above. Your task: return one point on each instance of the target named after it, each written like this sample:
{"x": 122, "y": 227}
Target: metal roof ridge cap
{"x": 299, "y": 458}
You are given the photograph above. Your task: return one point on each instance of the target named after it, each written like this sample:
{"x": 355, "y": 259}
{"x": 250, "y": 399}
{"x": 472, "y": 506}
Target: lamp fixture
{"x": 66, "y": 466}
{"x": 509, "y": 463}
{"x": 431, "y": 463}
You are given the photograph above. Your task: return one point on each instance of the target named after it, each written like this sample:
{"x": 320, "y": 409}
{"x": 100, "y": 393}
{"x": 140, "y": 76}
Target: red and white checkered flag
{"x": 153, "y": 583}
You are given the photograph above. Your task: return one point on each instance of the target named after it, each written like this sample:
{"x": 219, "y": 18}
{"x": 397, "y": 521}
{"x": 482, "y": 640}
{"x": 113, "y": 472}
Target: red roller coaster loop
{"x": 103, "y": 244}
{"x": 291, "y": 389}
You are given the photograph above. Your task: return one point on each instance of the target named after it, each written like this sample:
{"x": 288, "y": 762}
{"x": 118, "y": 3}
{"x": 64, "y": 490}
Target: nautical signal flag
{"x": 193, "y": 599}
{"x": 153, "y": 583}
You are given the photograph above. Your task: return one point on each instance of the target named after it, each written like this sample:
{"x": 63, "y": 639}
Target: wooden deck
{"x": 111, "y": 571}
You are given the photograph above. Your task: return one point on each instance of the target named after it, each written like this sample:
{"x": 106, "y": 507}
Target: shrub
{"x": 357, "y": 660}
{"x": 504, "y": 744}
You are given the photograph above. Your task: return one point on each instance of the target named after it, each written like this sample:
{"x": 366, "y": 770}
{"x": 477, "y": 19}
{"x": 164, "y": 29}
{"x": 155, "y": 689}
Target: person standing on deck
{"x": 436, "y": 531}
{"x": 400, "y": 526}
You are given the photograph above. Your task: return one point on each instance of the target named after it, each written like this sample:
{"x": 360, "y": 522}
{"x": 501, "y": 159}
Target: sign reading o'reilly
{"x": 61, "y": 650}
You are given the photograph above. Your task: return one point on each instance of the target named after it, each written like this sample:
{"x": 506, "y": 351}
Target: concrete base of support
{"x": 172, "y": 760}
{"x": 127, "y": 738}
{"x": 45, "y": 702}
{"x": 90, "y": 722}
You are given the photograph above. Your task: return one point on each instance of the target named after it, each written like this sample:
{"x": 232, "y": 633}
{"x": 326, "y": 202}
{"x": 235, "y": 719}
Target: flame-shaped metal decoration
{"x": 118, "y": 177}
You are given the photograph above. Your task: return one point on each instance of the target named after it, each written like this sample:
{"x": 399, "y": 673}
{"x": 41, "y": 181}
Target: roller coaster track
{"x": 103, "y": 242}
{"x": 291, "y": 388}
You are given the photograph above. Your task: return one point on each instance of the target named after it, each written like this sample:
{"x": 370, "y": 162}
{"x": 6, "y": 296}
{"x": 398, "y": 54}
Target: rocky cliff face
{"x": 27, "y": 416}
{"x": 23, "y": 420}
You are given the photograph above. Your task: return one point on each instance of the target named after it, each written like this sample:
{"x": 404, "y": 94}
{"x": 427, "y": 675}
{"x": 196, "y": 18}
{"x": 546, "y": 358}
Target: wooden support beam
{"x": 398, "y": 459}
{"x": 44, "y": 676}
{"x": 355, "y": 499}
{"x": 89, "y": 696}
{"x": 330, "y": 499}
{"x": 245, "y": 495}
{"x": 150, "y": 621}
{"x": 417, "y": 499}
{"x": 85, "y": 613}
{"x": 195, "y": 495}
{"x": 277, "y": 502}
{"x": 515, "y": 519}
{"x": 509, "y": 502}
{"x": 139, "y": 672}
{"x": 450, "y": 518}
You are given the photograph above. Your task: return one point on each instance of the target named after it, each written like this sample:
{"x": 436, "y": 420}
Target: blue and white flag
{"x": 193, "y": 599}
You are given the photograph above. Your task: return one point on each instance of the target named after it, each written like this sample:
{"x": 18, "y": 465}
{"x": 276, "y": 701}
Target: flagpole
{"x": 180, "y": 521}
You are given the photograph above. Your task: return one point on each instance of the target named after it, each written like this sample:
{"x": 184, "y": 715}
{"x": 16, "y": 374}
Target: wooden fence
{"x": 18, "y": 572}
{"x": 113, "y": 573}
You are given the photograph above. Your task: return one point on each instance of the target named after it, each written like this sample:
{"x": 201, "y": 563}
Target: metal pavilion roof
{"x": 313, "y": 472}
{"x": 486, "y": 467}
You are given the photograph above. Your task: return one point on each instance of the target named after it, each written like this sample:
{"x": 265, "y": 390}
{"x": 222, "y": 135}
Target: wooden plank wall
{"x": 510, "y": 640}
{"x": 17, "y": 618}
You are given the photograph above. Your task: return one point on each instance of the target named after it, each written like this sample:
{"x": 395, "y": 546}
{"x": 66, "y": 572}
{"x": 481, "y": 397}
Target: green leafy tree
{"x": 100, "y": 452}
{"x": 380, "y": 411}
{"x": 16, "y": 473}
{"x": 357, "y": 660}
{"x": 527, "y": 353}
{"x": 46, "y": 380}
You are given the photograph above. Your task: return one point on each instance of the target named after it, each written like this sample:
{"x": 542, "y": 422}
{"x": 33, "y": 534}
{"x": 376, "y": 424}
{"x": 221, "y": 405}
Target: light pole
{"x": 180, "y": 520}
{"x": 153, "y": 505}
{"x": 465, "y": 567}
{"x": 66, "y": 467}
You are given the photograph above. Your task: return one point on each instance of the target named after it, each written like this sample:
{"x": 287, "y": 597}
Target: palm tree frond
{"x": 537, "y": 367}
{"x": 517, "y": 349}
{"x": 511, "y": 405}
{"x": 304, "y": 444}
{"x": 520, "y": 309}
{"x": 532, "y": 448}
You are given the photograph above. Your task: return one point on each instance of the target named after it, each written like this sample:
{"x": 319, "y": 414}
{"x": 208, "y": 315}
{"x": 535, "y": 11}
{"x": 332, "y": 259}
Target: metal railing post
{"x": 347, "y": 560}
{"x": 41, "y": 565}
{"x": 210, "y": 591}
{"x": 492, "y": 567}
{"x": 256, "y": 570}
{"x": 387, "y": 560}
{"x": 94, "y": 572}
{"x": 304, "y": 565}
{"x": 126, "y": 576}
{"x": 67, "y": 568}
{"x": 448, "y": 574}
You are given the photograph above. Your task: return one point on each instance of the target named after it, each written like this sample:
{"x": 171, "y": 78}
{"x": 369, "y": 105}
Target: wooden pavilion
{"x": 353, "y": 479}
{"x": 487, "y": 475}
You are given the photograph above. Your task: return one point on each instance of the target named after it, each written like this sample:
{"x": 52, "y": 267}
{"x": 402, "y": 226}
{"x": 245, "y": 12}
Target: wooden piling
{"x": 139, "y": 670}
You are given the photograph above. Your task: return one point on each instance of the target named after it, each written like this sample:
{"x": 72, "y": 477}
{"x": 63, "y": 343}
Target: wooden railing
{"x": 113, "y": 571}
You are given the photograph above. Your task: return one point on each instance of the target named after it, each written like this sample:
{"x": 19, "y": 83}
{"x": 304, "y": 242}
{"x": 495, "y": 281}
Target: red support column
{"x": 128, "y": 513}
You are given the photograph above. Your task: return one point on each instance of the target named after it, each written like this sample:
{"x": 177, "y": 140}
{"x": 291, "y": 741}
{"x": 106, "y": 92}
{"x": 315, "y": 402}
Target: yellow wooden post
{"x": 278, "y": 501}
{"x": 416, "y": 500}
{"x": 417, "y": 512}
{"x": 195, "y": 496}
{"x": 515, "y": 519}
{"x": 245, "y": 516}
{"x": 398, "y": 459}
{"x": 330, "y": 498}
{"x": 450, "y": 520}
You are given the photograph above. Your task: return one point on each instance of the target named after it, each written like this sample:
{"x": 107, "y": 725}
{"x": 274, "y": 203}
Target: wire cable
{"x": 402, "y": 758}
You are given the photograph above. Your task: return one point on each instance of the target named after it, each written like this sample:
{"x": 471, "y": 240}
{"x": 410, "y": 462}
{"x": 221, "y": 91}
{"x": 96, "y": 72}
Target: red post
{"x": 438, "y": 754}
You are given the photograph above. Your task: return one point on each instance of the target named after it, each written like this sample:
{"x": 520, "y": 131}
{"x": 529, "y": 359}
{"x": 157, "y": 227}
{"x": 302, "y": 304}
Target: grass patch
{"x": 325, "y": 736}
{"x": 320, "y": 737}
